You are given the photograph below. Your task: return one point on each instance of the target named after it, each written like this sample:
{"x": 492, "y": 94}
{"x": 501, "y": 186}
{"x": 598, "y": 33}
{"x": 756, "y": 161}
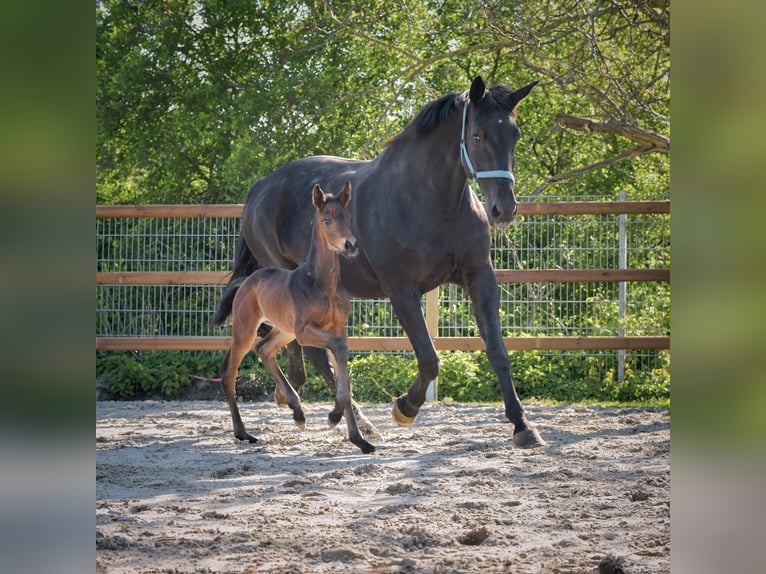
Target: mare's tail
{"x": 244, "y": 265}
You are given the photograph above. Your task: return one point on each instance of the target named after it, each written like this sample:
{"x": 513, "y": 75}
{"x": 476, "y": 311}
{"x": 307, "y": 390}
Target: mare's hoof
{"x": 301, "y": 424}
{"x": 399, "y": 417}
{"x": 528, "y": 438}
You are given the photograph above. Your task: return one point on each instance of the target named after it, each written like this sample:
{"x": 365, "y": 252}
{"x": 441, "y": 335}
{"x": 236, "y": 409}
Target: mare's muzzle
{"x": 500, "y": 205}
{"x": 502, "y": 211}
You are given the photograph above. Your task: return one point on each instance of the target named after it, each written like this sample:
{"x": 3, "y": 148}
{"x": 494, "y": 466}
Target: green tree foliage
{"x": 197, "y": 100}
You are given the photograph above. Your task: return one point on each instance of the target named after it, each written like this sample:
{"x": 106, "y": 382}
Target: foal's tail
{"x": 244, "y": 265}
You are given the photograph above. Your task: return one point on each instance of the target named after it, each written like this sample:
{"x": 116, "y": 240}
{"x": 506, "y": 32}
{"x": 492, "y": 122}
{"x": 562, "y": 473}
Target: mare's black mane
{"x": 435, "y": 112}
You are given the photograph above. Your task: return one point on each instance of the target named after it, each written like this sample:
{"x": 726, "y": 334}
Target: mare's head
{"x": 490, "y": 135}
{"x": 333, "y": 220}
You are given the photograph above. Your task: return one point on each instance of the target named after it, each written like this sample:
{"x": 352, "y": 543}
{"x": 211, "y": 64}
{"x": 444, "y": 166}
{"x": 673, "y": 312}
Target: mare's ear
{"x": 345, "y": 195}
{"x": 318, "y": 197}
{"x": 477, "y": 90}
{"x": 515, "y": 97}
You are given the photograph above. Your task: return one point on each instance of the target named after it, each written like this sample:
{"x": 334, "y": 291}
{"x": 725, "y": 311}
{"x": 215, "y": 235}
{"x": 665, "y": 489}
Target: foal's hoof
{"x": 333, "y": 419}
{"x": 399, "y": 417}
{"x": 366, "y": 427}
{"x": 280, "y": 399}
{"x": 366, "y": 447}
{"x": 528, "y": 438}
{"x": 246, "y": 436}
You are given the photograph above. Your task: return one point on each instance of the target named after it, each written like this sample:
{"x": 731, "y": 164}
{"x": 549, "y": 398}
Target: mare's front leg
{"x": 267, "y": 349}
{"x": 408, "y": 311}
{"x": 483, "y": 290}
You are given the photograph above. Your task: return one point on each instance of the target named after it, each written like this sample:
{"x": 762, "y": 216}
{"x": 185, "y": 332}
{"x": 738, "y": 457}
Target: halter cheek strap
{"x": 470, "y": 170}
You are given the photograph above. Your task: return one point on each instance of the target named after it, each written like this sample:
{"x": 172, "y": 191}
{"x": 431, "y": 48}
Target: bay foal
{"x": 307, "y": 304}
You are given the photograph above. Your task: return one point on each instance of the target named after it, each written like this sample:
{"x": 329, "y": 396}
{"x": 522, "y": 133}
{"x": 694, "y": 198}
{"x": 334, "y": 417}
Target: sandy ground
{"x": 175, "y": 492}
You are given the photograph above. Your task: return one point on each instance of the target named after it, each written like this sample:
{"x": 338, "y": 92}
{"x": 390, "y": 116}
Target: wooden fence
{"x": 398, "y": 343}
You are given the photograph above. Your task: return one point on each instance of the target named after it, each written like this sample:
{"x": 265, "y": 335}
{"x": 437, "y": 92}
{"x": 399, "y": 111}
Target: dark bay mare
{"x": 307, "y": 304}
{"x": 418, "y": 225}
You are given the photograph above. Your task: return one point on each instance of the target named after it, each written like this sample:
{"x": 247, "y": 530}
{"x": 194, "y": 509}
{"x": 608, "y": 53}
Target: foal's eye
{"x": 327, "y": 222}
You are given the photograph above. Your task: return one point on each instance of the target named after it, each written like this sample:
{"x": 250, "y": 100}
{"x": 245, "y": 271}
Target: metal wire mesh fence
{"x": 166, "y": 244}
{"x": 151, "y": 244}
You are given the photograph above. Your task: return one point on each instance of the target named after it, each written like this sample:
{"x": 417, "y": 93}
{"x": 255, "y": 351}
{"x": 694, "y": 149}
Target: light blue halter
{"x": 470, "y": 171}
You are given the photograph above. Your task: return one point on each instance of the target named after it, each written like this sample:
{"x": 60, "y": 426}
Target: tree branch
{"x": 641, "y": 136}
{"x": 631, "y": 153}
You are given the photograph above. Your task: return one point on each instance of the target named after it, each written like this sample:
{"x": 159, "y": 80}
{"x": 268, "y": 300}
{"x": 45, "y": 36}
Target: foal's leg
{"x": 315, "y": 337}
{"x": 241, "y": 342}
{"x": 267, "y": 349}
{"x": 343, "y": 398}
{"x": 320, "y": 358}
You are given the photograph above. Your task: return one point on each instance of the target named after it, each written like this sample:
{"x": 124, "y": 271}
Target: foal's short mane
{"x": 435, "y": 112}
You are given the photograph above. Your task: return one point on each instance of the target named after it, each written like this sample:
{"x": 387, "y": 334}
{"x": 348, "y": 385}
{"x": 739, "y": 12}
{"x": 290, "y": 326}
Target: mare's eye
{"x": 476, "y": 138}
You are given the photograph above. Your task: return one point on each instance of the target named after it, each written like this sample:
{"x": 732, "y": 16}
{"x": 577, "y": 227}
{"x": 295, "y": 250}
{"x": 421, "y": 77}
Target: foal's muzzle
{"x": 350, "y": 249}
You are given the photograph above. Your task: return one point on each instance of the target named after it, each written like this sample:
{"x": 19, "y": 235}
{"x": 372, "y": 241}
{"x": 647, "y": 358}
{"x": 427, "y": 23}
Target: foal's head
{"x": 334, "y": 221}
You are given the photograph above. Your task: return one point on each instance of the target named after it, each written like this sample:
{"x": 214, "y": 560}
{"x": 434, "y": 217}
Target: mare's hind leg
{"x": 296, "y": 372}
{"x": 267, "y": 349}
{"x": 320, "y": 358}
{"x": 240, "y": 345}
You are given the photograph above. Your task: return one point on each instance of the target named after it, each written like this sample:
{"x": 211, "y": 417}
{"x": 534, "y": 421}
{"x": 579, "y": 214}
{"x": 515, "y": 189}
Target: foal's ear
{"x": 345, "y": 195}
{"x": 318, "y": 197}
{"x": 477, "y": 90}
{"x": 515, "y": 97}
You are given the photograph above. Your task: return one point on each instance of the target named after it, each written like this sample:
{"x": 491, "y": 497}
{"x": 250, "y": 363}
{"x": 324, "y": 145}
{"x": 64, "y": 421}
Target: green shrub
{"x": 467, "y": 377}
{"x": 161, "y": 374}
{"x": 378, "y": 378}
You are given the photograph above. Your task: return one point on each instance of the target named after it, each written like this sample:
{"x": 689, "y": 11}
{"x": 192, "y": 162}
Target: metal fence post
{"x": 623, "y": 256}
{"x": 432, "y": 323}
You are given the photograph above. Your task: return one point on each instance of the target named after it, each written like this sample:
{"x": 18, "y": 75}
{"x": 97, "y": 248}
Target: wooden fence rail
{"x": 397, "y": 343}
{"x": 525, "y": 208}
{"x": 547, "y": 343}
{"x": 503, "y": 276}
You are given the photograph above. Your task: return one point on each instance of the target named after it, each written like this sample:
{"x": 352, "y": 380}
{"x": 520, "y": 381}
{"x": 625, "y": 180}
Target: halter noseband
{"x": 470, "y": 171}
